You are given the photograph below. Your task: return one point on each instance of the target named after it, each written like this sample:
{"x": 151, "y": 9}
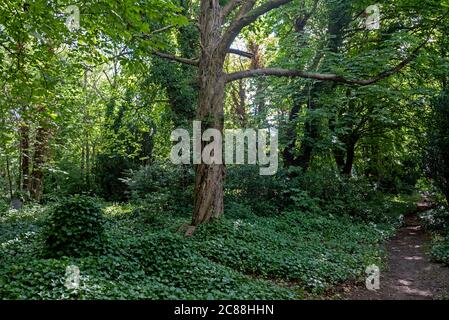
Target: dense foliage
{"x": 89, "y": 102}
{"x": 294, "y": 255}
{"x": 75, "y": 227}
{"x": 438, "y": 154}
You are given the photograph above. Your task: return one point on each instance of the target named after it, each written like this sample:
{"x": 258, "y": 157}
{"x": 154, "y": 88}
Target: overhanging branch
{"x": 278, "y": 72}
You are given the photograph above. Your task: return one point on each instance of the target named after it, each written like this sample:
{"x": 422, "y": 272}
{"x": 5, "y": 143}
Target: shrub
{"x": 75, "y": 227}
{"x": 440, "y": 249}
{"x": 110, "y": 172}
{"x": 150, "y": 211}
{"x": 65, "y": 179}
{"x": 436, "y": 219}
{"x": 4, "y": 206}
{"x": 261, "y": 194}
{"x": 438, "y": 146}
{"x": 164, "y": 187}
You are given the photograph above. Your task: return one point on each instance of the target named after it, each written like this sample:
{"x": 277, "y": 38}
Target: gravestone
{"x": 190, "y": 231}
{"x": 16, "y": 204}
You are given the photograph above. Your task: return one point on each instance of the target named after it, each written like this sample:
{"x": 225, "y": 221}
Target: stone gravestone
{"x": 16, "y": 204}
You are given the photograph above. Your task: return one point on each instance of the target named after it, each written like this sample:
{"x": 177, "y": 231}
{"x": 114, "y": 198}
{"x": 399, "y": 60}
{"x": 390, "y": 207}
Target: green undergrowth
{"x": 436, "y": 221}
{"x": 292, "y": 255}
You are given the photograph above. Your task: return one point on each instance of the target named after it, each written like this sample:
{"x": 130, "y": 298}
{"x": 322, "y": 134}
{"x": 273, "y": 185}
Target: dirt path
{"x": 411, "y": 274}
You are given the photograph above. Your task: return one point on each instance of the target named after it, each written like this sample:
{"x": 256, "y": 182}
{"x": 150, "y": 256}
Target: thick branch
{"x": 245, "y": 54}
{"x": 175, "y": 58}
{"x": 242, "y": 21}
{"x": 278, "y": 72}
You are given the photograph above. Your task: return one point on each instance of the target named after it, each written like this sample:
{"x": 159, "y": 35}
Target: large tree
{"x": 219, "y": 26}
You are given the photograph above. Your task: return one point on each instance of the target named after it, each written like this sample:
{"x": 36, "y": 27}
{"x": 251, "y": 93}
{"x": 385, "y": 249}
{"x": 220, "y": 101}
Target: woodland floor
{"x": 411, "y": 275}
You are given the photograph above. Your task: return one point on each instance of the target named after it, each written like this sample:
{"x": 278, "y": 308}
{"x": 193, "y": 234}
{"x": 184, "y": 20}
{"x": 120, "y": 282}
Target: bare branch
{"x": 175, "y": 58}
{"x": 107, "y": 78}
{"x": 248, "y": 55}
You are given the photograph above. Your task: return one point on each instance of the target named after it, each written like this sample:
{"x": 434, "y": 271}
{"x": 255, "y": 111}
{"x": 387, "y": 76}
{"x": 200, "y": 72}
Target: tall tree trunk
{"x": 257, "y": 63}
{"x": 311, "y": 134}
{"x": 8, "y": 175}
{"x": 88, "y": 161}
{"x": 83, "y": 161}
{"x": 340, "y": 16}
{"x": 41, "y": 149}
{"x": 350, "y": 152}
{"x": 24, "y": 157}
{"x": 289, "y": 152}
{"x": 311, "y": 130}
{"x": 208, "y": 203}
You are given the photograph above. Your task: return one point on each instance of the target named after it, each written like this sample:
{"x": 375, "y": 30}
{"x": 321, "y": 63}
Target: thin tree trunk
{"x": 88, "y": 161}
{"x": 8, "y": 174}
{"x": 41, "y": 149}
{"x": 83, "y": 159}
{"x": 289, "y": 152}
{"x": 257, "y": 63}
{"x": 340, "y": 15}
{"x": 25, "y": 157}
{"x": 311, "y": 128}
{"x": 339, "y": 156}
{"x": 238, "y": 96}
{"x": 350, "y": 153}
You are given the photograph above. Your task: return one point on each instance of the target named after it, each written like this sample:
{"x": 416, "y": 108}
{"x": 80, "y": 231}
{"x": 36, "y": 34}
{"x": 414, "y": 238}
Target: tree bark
{"x": 208, "y": 203}
{"x": 41, "y": 149}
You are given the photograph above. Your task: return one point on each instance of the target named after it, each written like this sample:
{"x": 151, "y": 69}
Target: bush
{"x": 75, "y": 227}
{"x": 4, "y": 206}
{"x": 151, "y": 210}
{"x": 110, "y": 172}
{"x": 67, "y": 178}
{"x": 440, "y": 249}
{"x": 438, "y": 147}
{"x": 436, "y": 219}
{"x": 162, "y": 187}
{"x": 262, "y": 194}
